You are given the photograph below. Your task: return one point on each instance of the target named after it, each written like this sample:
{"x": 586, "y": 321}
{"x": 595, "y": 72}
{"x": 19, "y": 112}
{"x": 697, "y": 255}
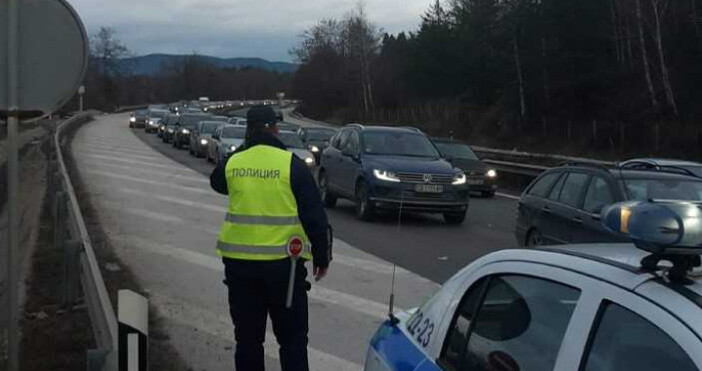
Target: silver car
{"x": 295, "y": 145}
{"x": 201, "y": 137}
{"x": 225, "y": 140}
{"x": 580, "y": 307}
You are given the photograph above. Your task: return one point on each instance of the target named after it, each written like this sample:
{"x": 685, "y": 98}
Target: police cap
{"x": 259, "y": 117}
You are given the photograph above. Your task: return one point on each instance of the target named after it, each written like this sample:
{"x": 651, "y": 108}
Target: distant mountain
{"x": 153, "y": 63}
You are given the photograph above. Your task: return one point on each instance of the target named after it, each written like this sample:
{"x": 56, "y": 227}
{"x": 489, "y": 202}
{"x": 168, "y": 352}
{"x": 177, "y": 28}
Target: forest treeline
{"x": 618, "y": 74}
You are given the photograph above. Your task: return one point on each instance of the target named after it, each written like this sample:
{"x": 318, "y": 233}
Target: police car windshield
{"x": 664, "y": 189}
{"x": 290, "y": 139}
{"x": 456, "y": 150}
{"x": 398, "y": 144}
{"x": 232, "y": 132}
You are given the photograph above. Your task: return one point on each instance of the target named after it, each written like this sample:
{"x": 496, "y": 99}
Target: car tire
{"x": 364, "y": 208}
{"x": 328, "y": 198}
{"x": 190, "y": 151}
{"x": 534, "y": 239}
{"x": 455, "y": 218}
{"x": 488, "y": 194}
{"x": 131, "y": 126}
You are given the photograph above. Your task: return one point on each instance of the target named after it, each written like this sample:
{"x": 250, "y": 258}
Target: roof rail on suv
{"x": 584, "y": 163}
{"x": 412, "y": 128}
{"x": 355, "y": 125}
{"x": 643, "y": 165}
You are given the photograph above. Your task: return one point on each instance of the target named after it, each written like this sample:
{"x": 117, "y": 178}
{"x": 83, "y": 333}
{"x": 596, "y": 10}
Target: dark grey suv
{"x": 563, "y": 204}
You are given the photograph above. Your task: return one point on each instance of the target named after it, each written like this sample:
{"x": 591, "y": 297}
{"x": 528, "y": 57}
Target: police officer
{"x": 273, "y": 200}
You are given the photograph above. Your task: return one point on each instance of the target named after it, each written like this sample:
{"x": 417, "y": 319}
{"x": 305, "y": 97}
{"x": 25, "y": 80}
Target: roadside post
{"x": 29, "y": 31}
{"x": 81, "y": 92}
{"x": 133, "y": 341}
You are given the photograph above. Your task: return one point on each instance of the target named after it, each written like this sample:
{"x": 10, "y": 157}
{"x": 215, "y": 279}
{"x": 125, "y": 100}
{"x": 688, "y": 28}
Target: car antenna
{"x": 391, "y": 307}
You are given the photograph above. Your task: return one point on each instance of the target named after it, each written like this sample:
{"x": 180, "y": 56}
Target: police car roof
{"x": 618, "y": 264}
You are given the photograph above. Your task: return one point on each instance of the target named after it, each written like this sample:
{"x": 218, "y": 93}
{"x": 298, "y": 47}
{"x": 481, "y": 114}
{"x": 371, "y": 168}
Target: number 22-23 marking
{"x": 421, "y": 330}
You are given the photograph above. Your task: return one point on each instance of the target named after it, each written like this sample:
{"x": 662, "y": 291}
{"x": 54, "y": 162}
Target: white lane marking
{"x": 84, "y": 154}
{"x": 112, "y": 144}
{"x": 118, "y": 149}
{"x": 152, "y": 182}
{"x": 220, "y": 326}
{"x": 380, "y": 266}
{"x": 131, "y": 156}
{"x": 102, "y": 164}
{"x": 173, "y": 200}
{"x": 505, "y": 195}
{"x": 318, "y": 293}
{"x": 143, "y": 213}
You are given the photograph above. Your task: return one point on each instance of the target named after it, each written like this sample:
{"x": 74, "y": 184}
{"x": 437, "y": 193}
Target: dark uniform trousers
{"x": 257, "y": 289}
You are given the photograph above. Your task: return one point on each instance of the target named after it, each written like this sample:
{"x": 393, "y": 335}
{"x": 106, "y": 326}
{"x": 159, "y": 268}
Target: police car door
{"x": 630, "y": 332}
{"x": 508, "y": 316}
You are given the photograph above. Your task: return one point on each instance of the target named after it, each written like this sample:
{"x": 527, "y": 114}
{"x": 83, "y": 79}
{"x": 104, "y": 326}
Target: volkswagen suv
{"x": 388, "y": 168}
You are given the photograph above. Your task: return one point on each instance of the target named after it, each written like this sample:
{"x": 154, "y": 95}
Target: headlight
{"x": 185, "y": 131}
{"x": 491, "y": 173}
{"x": 459, "y": 179}
{"x": 309, "y": 161}
{"x": 387, "y": 176}
{"x": 203, "y": 142}
{"x": 314, "y": 148}
{"x": 132, "y": 119}
{"x": 151, "y": 123}
{"x": 171, "y": 131}
{"x": 232, "y": 148}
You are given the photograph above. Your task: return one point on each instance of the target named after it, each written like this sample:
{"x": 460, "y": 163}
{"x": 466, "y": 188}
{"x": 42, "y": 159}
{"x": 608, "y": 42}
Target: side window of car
{"x": 456, "y": 340}
{"x": 542, "y": 186}
{"x": 520, "y": 324}
{"x": 598, "y": 195}
{"x": 343, "y": 138}
{"x": 556, "y": 190}
{"x": 352, "y": 143}
{"x": 572, "y": 189}
{"x": 623, "y": 340}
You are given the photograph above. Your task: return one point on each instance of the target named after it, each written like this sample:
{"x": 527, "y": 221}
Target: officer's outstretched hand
{"x": 319, "y": 273}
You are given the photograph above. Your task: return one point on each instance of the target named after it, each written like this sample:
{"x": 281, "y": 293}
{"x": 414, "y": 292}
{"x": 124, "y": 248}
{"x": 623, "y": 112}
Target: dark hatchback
{"x": 187, "y": 124}
{"x": 139, "y": 119}
{"x": 316, "y": 139}
{"x": 481, "y": 177}
{"x": 384, "y": 168}
{"x": 563, "y": 205}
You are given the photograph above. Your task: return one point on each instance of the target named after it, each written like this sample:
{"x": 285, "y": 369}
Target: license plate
{"x": 429, "y": 188}
{"x": 476, "y": 181}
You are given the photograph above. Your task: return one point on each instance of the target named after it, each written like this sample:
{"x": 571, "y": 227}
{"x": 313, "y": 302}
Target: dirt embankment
{"x": 56, "y": 338}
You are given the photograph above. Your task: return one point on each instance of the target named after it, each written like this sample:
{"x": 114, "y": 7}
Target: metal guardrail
{"x": 74, "y": 239}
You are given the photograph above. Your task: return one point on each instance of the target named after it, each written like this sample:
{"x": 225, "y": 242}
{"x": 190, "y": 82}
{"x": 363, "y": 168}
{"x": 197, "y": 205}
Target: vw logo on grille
{"x": 427, "y": 178}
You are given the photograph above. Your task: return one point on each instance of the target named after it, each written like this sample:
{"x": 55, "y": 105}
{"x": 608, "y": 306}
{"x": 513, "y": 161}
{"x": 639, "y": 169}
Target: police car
{"x": 579, "y": 307}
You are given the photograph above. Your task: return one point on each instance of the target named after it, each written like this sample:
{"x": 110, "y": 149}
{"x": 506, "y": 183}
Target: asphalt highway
{"x": 162, "y": 219}
{"x": 421, "y": 243}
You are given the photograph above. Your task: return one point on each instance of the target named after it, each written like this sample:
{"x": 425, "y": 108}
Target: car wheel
{"x": 488, "y": 194}
{"x": 364, "y": 208}
{"x": 455, "y": 218}
{"x": 534, "y": 238}
{"x": 131, "y": 126}
{"x": 327, "y": 197}
{"x": 190, "y": 151}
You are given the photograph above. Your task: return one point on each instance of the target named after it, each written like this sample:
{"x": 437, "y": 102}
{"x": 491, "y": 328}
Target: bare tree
{"x": 659, "y": 8}
{"x": 644, "y": 55}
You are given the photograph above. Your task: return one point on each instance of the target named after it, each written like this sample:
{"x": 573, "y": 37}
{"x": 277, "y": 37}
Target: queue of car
{"x": 619, "y": 287}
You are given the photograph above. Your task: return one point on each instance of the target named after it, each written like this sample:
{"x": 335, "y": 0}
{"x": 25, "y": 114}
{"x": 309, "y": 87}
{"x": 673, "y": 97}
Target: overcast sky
{"x": 232, "y": 28}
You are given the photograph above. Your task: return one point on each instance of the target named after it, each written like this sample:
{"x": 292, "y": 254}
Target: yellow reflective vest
{"x": 262, "y": 216}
